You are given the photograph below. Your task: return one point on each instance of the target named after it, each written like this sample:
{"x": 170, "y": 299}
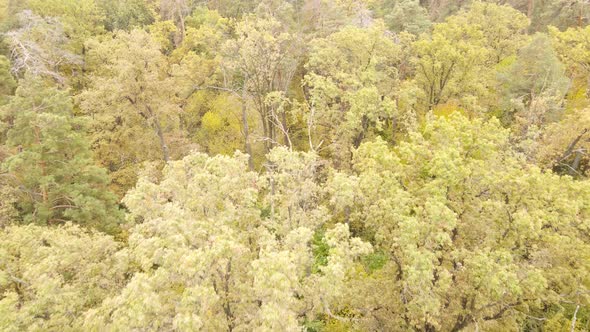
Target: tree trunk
{"x": 160, "y": 133}
{"x": 247, "y": 145}
{"x": 181, "y": 29}
{"x": 165, "y": 152}
{"x": 575, "y": 318}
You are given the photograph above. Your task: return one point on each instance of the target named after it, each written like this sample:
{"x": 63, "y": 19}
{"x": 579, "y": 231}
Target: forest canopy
{"x": 294, "y": 165}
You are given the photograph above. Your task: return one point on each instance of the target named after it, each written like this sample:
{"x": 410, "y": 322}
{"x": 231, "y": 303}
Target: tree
{"x": 49, "y": 277}
{"x": 50, "y": 162}
{"x": 39, "y": 47}
{"x": 475, "y": 237}
{"x": 457, "y": 62}
{"x": 573, "y": 48}
{"x": 264, "y": 57}
{"x": 5, "y": 12}
{"x": 351, "y": 86}
{"x": 231, "y": 9}
{"x": 533, "y": 90}
{"x": 328, "y": 16}
{"x": 176, "y": 11}
{"x": 215, "y": 106}
{"x": 125, "y": 15}
{"x": 81, "y": 19}
{"x": 207, "y": 258}
{"x": 133, "y": 104}
{"x": 7, "y": 81}
{"x": 564, "y": 144}
{"x": 403, "y": 15}
{"x": 560, "y": 13}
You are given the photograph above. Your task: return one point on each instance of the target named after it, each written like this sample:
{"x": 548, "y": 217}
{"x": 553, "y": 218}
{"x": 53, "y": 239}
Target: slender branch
{"x": 575, "y": 318}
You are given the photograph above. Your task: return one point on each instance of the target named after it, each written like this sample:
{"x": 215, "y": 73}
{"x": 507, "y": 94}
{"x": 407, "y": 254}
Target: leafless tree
{"x": 38, "y": 47}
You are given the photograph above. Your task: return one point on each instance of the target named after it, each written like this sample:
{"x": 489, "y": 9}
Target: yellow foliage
{"x": 577, "y": 97}
{"x": 448, "y": 108}
{"x": 212, "y": 122}
{"x": 3, "y": 10}
{"x": 162, "y": 32}
{"x": 334, "y": 325}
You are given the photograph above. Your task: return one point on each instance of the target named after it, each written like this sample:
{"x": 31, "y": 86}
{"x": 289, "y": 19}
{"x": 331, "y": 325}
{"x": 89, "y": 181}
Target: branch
{"x": 65, "y": 206}
{"x": 575, "y": 318}
{"x": 572, "y": 145}
{"x": 218, "y": 88}
{"x": 18, "y": 280}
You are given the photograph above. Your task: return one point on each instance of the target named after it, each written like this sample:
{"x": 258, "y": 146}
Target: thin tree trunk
{"x": 265, "y": 131}
{"x": 530, "y": 8}
{"x": 284, "y": 124}
{"x": 165, "y": 152}
{"x": 575, "y": 318}
{"x": 247, "y": 145}
{"x": 160, "y": 133}
{"x": 43, "y": 165}
{"x": 181, "y": 31}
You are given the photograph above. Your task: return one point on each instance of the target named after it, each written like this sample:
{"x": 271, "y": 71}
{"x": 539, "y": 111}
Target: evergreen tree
{"x": 7, "y": 82}
{"x": 51, "y": 163}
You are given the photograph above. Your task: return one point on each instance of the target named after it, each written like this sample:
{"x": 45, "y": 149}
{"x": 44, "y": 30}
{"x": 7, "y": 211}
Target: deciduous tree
{"x": 208, "y": 259}
{"x": 475, "y": 238}
{"x": 352, "y": 85}
{"x": 49, "y": 277}
{"x": 132, "y": 103}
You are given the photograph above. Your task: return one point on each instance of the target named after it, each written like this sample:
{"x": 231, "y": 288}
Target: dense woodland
{"x": 295, "y": 165}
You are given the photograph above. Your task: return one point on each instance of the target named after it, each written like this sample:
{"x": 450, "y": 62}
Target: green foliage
{"x": 573, "y": 48}
{"x": 533, "y": 88}
{"x": 408, "y": 165}
{"x": 132, "y": 103}
{"x": 404, "y": 15}
{"x": 49, "y": 277}
{"x": 564, "y": 144}
{"x": 474, "y": 235}
{"x": 7, "y": 81}
{"x": 263, "y": 58}
{"x": 375, "y": 261}
{"x": 51, "y": 162}
{"x": 352, "y": 79}
{"x": 40, "y": 46}
{"x": 456, "y": 62}
{"x": 559, "y": 13}
{"x": 536, "y": 71}
{"x": 125, "y": 15}
{"x": 80, "y": 18}
{"x": 207, "y": 260}
{"x": 321, "y": 251}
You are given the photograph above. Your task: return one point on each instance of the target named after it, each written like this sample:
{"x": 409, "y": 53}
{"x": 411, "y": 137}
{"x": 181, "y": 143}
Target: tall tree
{"x": 456, "y": 63}
{"x": 81, "y": 19}
{"x": 39, "y": 46}
{"x": 176, "y": 11}
{"x": 564, "y": 145}
{"x": 264, "y": 57}
{"x": 51, "y": 163}
{"x": 49, "y": 277}
{"x": 533, "y": 90}
{"x": 209, "y": 258}
{"x": 475, "y": 237}
{"x": 352, "y": 85}
{"x": 403, "y": 15}
{"x": 573, "y": 48}
{"x": 132, "y": 102}
{"x": 7, "y": 81}
{"x": 216, "y": 110}
{"x": 125, "y": 15}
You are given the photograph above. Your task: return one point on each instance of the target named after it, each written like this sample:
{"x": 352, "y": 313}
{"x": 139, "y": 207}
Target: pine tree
{"x": 51, "y": 163}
